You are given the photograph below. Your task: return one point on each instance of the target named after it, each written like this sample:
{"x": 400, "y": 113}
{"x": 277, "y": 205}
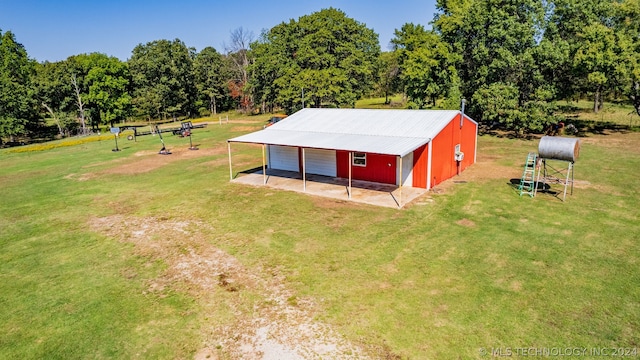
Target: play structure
{"x": 185, "y": 130}
{"x": 164, "y": 150}
{"x": 115, "y": 131}
{"x": 155, "y": 129}
{"x": 553, "y": 164}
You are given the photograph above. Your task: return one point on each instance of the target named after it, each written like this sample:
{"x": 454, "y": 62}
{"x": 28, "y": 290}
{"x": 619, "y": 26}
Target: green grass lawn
{"x": 613, "y": 115}
{"x": 475, "y": 267}
{"x": 395, "y": 101}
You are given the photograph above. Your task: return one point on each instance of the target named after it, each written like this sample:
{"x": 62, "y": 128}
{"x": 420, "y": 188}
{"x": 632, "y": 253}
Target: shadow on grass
{"x": 515, "y": 184}
{"x": 541, "y": 188}
{"x": 500, "y": 132}
{"x": 248, "y": 171}
{"x": 584, "y": 129}
{"x": 594, "y": 127}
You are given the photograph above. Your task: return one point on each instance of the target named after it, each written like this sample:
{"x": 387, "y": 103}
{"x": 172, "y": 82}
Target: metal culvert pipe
{"x": 559, "y": 148}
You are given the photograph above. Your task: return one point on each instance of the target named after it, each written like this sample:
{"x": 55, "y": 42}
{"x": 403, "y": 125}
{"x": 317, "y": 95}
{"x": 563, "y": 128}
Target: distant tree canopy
{"x": 329, "y": 56}
{"x": 94, "y": 88}
{"x": 16, "y": 99}
{"x": 426, "y": 64}
{"x": 104, "y": 84}
{"x": 163, "y": 78}
{"x": 512, "y": 60}
{"x": 210, "y": 78}
{"x": 496, "y": 43}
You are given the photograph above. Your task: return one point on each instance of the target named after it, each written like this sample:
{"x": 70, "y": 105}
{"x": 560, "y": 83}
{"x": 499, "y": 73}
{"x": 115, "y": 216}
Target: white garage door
{"x": 283, "y": 158}
{"x": 320, "y": 162}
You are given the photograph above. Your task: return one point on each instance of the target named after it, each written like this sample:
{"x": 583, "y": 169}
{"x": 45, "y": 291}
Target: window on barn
{"x": 359, "y": 159}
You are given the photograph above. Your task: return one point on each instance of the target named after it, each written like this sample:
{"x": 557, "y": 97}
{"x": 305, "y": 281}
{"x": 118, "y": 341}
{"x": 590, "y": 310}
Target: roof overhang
{"x": 375, "y": 144}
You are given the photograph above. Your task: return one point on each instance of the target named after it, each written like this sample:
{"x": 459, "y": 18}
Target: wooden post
{"x": 264, "y": 166}
{"x": 230, "y": 169}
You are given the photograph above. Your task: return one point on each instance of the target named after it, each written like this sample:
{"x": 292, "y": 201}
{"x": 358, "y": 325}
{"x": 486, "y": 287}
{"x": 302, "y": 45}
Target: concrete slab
{"x": 336, "y": 188}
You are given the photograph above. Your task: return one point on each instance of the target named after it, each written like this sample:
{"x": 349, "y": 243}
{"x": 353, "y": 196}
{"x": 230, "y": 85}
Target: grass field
{"x": 612, "y": 116}
{"x": 136, "y": 255}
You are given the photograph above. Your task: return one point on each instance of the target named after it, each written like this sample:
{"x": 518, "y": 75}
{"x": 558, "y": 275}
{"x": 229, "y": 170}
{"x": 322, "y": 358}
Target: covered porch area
{"x": 331, "y": 187}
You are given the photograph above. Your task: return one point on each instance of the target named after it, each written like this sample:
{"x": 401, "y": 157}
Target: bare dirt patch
{"x": 485, "y": 168}
{"x": 466, "y": 223}
{"x": 80, "y": 177}
{"x": 146, "y": 161}
{"x": 149, "y": 160}
{"x": 280, "y": 326}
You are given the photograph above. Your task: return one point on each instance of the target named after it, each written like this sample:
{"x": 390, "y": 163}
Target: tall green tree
{"x": 328, "y": 54}
{"x": 163, "y": 79}
{"x": 388, "y": 70}
{"x": 274, "y": 70}
{"x": 211, "y": 77}
{"x": 569, "y": 24}
{"x": 109, "y": 89}
{"x": 627, "y": 25}
{"x": 100, "y": 87}
{"x": 17, "y": 103}
{"x": 55, "y": 94}
{"x": 427, "y": 67}
{"x": 492, "y": 37}
{"x": 267, "y": 68}
{"x": 497, "y": 41}
{"x": 596, "y": 60}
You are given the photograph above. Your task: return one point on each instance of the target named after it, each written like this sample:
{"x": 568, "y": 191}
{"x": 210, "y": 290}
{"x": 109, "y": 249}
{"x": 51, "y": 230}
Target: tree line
{"x": 511, "y": 60}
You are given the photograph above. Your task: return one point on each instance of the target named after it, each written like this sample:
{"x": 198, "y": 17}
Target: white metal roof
{"x": 391, "y": 132}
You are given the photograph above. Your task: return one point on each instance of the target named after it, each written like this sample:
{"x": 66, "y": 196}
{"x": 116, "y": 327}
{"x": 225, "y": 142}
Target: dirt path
{"x": 282, "y": 326}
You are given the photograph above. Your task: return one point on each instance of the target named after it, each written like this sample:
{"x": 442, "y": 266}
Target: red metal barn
{"x": 421, "y": 147}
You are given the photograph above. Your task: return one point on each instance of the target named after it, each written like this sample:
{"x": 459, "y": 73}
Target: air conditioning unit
{"x": 459, "y": 156}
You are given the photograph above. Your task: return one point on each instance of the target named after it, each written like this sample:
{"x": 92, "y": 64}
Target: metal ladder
{"x": 528, "y": 181}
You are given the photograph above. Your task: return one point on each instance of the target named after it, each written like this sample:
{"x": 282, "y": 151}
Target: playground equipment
{"x": 186, "y": 131}
{"x": 155, "y": 130}
{"x": 550, "y": 149}
{"x": 115, "y": 131}
{"x": 164, "y": 150}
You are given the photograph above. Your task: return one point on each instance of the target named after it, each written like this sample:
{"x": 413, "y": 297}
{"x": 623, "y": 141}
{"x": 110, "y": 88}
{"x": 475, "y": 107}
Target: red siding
{"x": 444, "y": 165}
{"x": 420, "y": 159}
{"x": 442, "y": 158}
{"x": 380, "y": 168}
{"x": 468, "y": 137}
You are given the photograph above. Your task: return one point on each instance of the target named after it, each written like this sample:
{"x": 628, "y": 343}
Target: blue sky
{"x": 53, "y": 30}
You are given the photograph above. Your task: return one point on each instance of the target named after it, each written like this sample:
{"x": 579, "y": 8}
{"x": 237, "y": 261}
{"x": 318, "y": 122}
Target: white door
{"x": 407, "y": 170}
{"x": 283, "y": 158}
{"x": 320, "y": 162}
